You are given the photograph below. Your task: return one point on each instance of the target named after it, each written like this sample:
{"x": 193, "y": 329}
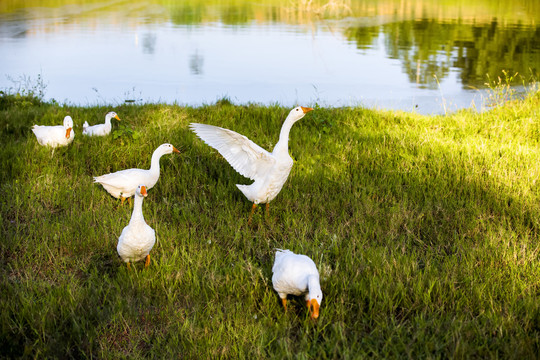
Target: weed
{"x": 26, "y": 86}
{"x": 25, "y": 92}
{"x": 125, "y": 132}
{"x": 502, "y": 89}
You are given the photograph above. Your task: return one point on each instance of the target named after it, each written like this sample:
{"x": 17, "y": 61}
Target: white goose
{"x": 137, "y": 238}
{"x": 297, "y": 275}
{"x": 268, "y": 170}
{"x": 100, "y": 129}
{"x": 54, "y": 136}
{"x": 122, "y": 184}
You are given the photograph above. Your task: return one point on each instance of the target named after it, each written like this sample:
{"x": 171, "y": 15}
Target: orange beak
{"x": 175, "y": 149}
{"x": 68, "y": 131}
{"x": 143, "y": 191}
{"x": 315, "y": 305}
{"x": 116, "y": 117}
{"x": 306, "y": 110}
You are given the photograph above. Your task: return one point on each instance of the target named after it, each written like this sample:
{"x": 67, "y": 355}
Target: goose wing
{"x": 246, "y": 157}
{"x": 122, "y": 179}
{"x": 49, "y": 131}
{"x": 279, "y": 259}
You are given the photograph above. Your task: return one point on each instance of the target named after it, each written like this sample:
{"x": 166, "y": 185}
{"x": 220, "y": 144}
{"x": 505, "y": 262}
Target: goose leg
{"x": 147, "y": 262}
{"x": 267, "y": 210}
{"x": 251, "y": 213}
{"x": 284, "y": 302}
{"x": 122, "y": 200}
{"x": 129, "y": 267}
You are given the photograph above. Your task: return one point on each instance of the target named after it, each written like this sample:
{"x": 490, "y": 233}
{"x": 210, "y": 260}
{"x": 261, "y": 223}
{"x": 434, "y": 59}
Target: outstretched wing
{"x": 246, "y": 157}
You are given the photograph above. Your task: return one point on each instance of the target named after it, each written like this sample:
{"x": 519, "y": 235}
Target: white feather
{"x": 100, "y": 129}
{"x": 268, "y": 170}
{"x": 246, "y": 157}
{"x": 137, "y": 238}
{"x": 123, "y": 183}
{"x": 55, "y": 136}
{"x": 296, "y": 274}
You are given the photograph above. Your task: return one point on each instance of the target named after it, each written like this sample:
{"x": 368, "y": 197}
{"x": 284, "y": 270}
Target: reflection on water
{"x": 429, "y": 49}
{"x": 149, "y": 43}
{"x": 196, "y": 63}
{"x": 394, "y": 54}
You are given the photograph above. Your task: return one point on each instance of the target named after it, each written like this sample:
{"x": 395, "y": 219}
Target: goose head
{"x": 315, "y": 297}
{"x": 111, "y": 115}
{"x": 68, "y": 125}
{"x": 298, "y": 112}
{"x": 166, "y": 149}
{"x": 141, "y": 191}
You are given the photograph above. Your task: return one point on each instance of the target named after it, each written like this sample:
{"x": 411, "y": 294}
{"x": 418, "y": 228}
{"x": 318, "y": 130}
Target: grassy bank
{"x": 425, "y": 230}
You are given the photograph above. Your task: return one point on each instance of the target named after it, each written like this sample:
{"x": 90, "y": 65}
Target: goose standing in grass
{"x": 122, "y": 184}
{"x": 137, "y": 238}
{"x": 100, "y": 129}
{"x": 54, "y": 136}
{"x": 297, "y": 275}
{"x": 268, "y": 170}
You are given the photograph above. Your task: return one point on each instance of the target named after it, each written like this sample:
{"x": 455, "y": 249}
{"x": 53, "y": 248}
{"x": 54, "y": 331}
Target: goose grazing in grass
{"x": 54, "y": 136}
{"x": 297, "y": 275}
{"x": 122, "y": 184}
{"x": 137, "y": 238}
{"x": 100, "y": 129}
{"x": 268, "y": 170}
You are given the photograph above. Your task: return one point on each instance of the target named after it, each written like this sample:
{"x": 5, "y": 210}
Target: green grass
{"x": 425, "y": 230}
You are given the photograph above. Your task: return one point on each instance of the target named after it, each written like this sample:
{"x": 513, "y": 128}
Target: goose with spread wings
{"x": 269, "y": 170}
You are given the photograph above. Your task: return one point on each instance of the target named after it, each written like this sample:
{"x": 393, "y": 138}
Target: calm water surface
{"x": 416, "y": 55}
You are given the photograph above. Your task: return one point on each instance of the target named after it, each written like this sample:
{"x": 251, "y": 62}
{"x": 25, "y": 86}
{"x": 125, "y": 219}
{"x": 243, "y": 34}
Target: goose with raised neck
{"x": 122, "y": 184}
{"x": 268, "y": 170}
{"x": 100, "y": 129}
{"x": 137, "y": 238}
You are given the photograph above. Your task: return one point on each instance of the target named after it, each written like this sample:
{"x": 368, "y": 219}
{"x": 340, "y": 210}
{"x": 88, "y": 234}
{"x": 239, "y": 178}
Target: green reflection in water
{"x": 428, "y": 49}
{"x": 479, "y": 38}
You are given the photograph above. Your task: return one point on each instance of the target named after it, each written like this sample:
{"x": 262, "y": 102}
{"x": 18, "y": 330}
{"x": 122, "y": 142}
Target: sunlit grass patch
{"x": 424, "y": 230}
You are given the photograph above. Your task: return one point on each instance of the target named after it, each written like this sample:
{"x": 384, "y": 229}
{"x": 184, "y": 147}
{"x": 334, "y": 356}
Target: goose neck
{"x": 154, "y": 164}
{"x": 313, "y": 284}
{"x": 283, "y": 143}
{"x": 137, "y": 214}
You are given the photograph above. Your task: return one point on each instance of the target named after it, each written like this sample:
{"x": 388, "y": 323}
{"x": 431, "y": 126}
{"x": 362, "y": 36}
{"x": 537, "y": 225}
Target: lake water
{"x": 409, "y": 55}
